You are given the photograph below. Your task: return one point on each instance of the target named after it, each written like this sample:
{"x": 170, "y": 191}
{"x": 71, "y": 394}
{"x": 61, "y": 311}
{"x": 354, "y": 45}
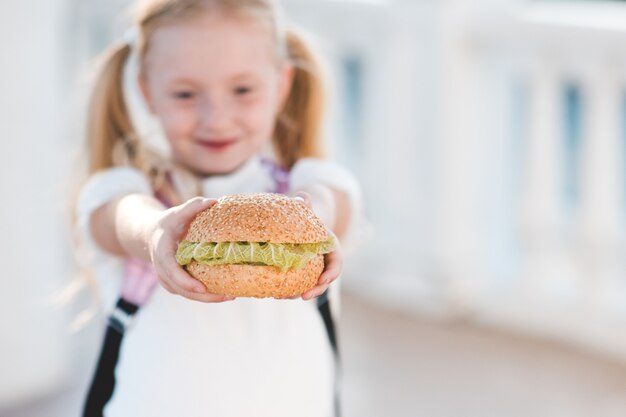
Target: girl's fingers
{"x": 191, "y": 289}
{"x": 207, "y": 297}
{"x": 304, "y": 197}
{"x": 186, "y": 212}
{"x": 165, "y": 284}
{"x": 191, "y": 207}
{"x": 333, "y": 264}
{"x": 314, "y": 292}
{"x": 183, "y": 282}
{"x": 332, "y": 269}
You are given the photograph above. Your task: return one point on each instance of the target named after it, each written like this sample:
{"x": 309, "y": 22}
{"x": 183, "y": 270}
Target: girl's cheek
{"x": 259, "y": 110}
{"x": 177, "y": 120}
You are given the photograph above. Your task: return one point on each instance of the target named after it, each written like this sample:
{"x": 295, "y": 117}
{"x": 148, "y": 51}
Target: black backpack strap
{"x": 323, "y": 306}
{"x": 103, "y": 382}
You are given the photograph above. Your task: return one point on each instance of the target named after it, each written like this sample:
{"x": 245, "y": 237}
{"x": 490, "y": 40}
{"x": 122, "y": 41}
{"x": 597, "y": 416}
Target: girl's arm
{"x": 139, "y": 226}
{"x": 122, "y": 227}
{"x": 331, "y": 206}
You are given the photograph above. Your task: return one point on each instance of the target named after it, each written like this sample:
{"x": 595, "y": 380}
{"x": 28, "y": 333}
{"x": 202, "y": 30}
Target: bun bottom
{"x": 259, "y": 281}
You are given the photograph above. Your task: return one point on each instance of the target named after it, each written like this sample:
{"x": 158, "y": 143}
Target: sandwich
{"x": 256, "y": 245}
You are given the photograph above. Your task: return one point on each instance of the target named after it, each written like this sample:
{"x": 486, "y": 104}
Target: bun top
{"x": 262, "y": 217}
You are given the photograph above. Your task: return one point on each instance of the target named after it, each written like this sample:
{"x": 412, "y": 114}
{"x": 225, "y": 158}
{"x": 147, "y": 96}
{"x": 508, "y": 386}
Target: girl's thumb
{"x": 196, "y": 205}
{"x": 304, "y": 197}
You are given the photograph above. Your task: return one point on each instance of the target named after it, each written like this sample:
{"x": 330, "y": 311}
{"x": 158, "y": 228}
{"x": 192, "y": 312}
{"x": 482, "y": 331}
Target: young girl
{"x": 238, "y": 99}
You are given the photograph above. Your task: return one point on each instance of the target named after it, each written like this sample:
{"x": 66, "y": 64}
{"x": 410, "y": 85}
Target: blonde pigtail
{"x": 111, "y": 136}
{"x": 298, "y": 131}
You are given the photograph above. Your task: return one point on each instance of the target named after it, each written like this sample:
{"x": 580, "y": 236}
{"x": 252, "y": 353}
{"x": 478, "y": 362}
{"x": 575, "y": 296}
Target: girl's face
{"x": 216, "y": 87}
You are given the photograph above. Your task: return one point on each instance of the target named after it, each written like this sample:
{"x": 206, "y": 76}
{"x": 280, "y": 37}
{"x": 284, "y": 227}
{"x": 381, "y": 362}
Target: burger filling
{"x": 282, "y": 255}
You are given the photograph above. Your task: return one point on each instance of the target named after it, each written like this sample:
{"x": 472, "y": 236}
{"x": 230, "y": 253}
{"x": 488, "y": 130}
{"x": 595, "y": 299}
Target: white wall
{"x": 33, "y": 356}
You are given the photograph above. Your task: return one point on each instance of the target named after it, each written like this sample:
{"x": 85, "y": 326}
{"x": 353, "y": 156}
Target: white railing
{"x": 572, "y": 284}
{"x": 480, "y": 228}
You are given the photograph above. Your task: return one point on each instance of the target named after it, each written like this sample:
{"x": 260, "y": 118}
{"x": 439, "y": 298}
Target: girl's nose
{"x": 215, "y": 115}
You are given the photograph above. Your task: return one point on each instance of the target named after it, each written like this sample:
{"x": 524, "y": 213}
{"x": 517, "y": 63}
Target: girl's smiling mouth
{"x": 216, "y": 145}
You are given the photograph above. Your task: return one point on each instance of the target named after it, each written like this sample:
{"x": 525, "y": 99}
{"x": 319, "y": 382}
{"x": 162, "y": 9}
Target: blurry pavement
{"x": 398, "y": 365}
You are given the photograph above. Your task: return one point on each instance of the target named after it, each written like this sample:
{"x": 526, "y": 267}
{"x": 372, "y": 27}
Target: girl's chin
{"x": 218, "y": 168}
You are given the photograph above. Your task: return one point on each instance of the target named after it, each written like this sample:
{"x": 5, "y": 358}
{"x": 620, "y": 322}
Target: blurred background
{"x": 489, "y": 137}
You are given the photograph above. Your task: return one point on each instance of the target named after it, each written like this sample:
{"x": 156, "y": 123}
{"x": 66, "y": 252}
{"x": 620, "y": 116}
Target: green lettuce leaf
{"x": 282, "y": 255}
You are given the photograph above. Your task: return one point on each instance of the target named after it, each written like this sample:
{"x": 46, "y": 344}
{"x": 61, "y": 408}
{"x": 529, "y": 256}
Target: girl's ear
{"x": 145, "y": 92}
{"x": 287, "y": 73}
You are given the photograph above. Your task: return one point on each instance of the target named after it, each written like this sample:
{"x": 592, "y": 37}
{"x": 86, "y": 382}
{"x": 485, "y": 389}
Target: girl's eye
{"x": 184, "y": 95}
{"x": 240, "y": 91}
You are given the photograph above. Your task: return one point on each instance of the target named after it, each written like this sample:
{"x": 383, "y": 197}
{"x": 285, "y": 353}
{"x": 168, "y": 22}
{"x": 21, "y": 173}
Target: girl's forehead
{"x": 216, "y": 45}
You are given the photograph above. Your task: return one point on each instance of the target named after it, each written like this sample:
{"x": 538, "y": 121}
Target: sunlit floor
{"x": 398, "y": 365}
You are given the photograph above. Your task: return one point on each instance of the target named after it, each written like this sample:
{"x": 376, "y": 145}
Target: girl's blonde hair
{"x": 112, "y": 138}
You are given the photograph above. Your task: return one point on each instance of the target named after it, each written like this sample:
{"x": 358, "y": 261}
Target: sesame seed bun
{"x": 259, "y": 281}
{"x": 264, "y": 217}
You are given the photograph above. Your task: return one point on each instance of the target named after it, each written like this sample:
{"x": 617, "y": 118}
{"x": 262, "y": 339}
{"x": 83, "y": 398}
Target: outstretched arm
{"x": 332, "y": 206}
{"x": 139, "y": 226}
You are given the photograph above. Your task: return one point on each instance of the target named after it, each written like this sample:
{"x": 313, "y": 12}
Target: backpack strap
{"x": 103, "y": 382}
{"x": 323, "y": 306}
{"x": 138, "y": 284}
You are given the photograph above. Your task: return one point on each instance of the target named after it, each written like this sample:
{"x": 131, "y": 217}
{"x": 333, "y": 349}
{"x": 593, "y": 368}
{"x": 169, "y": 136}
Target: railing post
{"x": 545, "y": 272}
{"x": 601, "y": 172}
{"x": 600, "y": 221}
{"x": 458, "y": 241}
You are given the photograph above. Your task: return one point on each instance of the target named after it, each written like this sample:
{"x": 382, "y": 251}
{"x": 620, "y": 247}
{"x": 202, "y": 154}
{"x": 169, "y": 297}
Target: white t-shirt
{"x": 248, "y": 357}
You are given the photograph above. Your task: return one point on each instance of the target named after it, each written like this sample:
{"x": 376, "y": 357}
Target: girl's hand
{"x": 169, "y": 230}
{"x": 332, "y": 268}
{"x": 333, "y": 262}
